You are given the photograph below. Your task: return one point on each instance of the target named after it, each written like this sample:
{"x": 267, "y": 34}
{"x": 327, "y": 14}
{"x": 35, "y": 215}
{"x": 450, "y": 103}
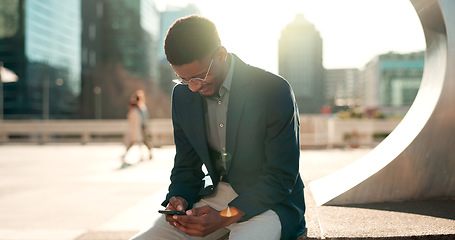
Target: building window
{"x": 92, "y": 31}
{"x": 84, "y": 55}
{"x": 9, "y": 18}
{"x": 99, "y": 9}
{"x": 92, "y": 59}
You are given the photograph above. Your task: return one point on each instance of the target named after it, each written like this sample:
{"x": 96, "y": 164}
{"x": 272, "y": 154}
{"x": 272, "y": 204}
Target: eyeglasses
{"x": 200, "y": 81}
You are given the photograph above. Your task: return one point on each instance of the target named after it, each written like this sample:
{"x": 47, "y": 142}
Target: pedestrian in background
{"x": 138, "y": 131}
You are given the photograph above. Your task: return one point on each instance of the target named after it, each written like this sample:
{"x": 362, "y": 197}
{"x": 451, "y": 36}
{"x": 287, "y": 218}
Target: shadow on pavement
{"x": 442, "y": 208}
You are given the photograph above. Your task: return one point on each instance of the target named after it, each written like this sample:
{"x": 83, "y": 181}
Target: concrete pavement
{"x": 67, "y": 192}
{"x": 79, "y": 192}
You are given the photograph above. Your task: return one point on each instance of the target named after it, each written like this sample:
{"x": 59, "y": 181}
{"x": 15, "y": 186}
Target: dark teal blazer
{"x": 262, "y": 144}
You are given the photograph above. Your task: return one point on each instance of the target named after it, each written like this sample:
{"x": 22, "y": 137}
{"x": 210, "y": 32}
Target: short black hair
{"x": 189, "y": 39}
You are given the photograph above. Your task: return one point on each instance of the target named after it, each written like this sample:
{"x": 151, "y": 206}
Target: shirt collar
{"x": 228, "y": 80}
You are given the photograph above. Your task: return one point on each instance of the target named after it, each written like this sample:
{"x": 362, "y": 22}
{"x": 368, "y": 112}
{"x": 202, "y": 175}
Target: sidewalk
{"x": 77, "y": 192}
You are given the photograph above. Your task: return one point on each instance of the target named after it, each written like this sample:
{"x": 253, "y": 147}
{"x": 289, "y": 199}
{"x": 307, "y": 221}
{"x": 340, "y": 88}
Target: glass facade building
{"x": 119, "y": 55}
{"x": 43, "y": 47}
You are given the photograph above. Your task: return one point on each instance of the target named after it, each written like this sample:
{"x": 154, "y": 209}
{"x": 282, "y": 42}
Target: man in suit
{"x": 237, "y": 127}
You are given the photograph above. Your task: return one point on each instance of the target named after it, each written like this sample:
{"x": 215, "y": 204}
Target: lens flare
{"x": 228, "y": 212}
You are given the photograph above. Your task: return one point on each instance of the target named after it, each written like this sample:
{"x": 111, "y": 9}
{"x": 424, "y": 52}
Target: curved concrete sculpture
{"x": 417, "y": 160}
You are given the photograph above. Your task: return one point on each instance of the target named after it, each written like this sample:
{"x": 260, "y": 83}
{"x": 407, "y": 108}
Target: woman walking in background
{"x": 138, "y": 131}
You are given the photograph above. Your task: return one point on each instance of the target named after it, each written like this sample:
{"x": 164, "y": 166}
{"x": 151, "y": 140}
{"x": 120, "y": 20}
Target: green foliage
{"x": 356, "y": 113}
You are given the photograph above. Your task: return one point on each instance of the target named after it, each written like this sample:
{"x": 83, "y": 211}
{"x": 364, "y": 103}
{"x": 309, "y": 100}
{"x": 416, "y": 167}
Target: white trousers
{"x": 264, "y": 226}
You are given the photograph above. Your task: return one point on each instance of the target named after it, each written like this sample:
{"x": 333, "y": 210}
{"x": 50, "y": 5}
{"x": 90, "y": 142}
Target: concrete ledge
{"x": 431, "y": 219}
{"x": 407, "y": 220}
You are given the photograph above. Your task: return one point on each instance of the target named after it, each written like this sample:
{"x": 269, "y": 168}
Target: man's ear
{"x": 221, "y": 54}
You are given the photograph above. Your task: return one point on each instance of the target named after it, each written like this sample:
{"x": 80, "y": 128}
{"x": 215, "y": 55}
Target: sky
{"x": 353, "y": 31}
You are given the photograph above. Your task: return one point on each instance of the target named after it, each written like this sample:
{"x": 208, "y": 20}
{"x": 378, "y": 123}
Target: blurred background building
{"x": 391, "y": 82}
{"x": 90, "y": 71}
{"x": 119, "y": 55}
{"x": 38, "y": 44}
{"x": 342, "y": 88}
{"x": 300, "y": 62}
{"x": 388, "y": 83}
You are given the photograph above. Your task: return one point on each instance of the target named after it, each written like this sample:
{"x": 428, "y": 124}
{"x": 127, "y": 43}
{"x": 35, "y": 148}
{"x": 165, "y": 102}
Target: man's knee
{"x": 264, "y": 226}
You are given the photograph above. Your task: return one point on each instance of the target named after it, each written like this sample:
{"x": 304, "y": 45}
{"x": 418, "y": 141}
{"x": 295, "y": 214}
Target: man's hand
{"x": 202, "y": 221}
{"x": 175, "y": 204}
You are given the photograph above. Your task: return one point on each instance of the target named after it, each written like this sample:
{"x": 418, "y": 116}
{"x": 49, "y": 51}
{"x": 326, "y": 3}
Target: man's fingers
{"x": 198, "y": 211}
{"x": 199, "y": 221}
{"x": 174, "y": 201}
{"x": 188, "y": 230}
{"x": 178, "y": 203}
{"x": 195, "y": 217}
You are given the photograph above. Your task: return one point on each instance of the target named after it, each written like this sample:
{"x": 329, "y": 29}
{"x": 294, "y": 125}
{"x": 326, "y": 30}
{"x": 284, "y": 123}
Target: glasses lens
{"x": 181, "y": 81}
{"x": 198, "y": 81}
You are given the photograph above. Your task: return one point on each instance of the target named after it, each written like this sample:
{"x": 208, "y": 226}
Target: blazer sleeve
{"x": 280, "y": 169}
{"x": 186, "y": 175}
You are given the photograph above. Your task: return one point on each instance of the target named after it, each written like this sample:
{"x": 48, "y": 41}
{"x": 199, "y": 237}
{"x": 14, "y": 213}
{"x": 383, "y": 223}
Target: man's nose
{"x": 194, "y": 86}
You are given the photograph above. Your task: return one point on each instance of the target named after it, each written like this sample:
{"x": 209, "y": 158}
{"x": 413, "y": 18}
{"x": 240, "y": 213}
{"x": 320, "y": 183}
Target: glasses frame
{"x": 200, "y": 81}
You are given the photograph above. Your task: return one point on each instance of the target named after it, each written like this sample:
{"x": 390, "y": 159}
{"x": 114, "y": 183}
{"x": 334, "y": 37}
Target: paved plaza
{"x": 63, "y": 192}
{"x": 80, "y": 192}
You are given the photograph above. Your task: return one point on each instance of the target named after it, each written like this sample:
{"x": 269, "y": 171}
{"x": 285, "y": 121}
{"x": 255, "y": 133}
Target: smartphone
{"x": 171, "y": 212}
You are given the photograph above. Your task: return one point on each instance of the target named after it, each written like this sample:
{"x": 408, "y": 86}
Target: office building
{"x": 300, "y": 62}
{"x": 342, "y": 87}
{"x": 119, "y": 55}
{"x": 40, "y": 42}
{"x": 391, "y": 81}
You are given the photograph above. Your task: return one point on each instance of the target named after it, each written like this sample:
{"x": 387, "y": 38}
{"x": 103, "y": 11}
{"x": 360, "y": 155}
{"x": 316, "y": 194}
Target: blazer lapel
{"x": 194, "y": 125}
{"x": 237, "y": 98}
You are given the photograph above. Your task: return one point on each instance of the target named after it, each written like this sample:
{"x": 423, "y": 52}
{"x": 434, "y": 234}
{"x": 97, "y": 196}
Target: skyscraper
{"x": 40, "y": 41}
{"x": 300, "y": 62}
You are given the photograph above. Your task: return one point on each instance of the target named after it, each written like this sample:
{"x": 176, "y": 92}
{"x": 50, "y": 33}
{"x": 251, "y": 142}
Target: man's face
{"x": 204, "y": 69}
